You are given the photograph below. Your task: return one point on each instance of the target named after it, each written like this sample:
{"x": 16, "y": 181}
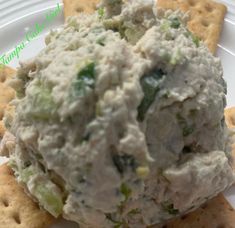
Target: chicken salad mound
{"x": 119, "y": 120}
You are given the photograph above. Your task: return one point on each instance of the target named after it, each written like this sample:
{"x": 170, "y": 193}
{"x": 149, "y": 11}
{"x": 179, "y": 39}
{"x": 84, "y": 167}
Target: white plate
{"x": 19, "y": 16}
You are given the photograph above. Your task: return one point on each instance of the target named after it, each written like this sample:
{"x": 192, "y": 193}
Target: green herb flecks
{"x": 117, "y": 224}
{"x": 26, "y": 174}
{"x": 101, "y": 12}
{"x": 123, "y": 162}
{"x": 115, "y": 25}
{"x": 186, "y": 128}
{"x": 42, "y": 105}
{"x": 126, "y": 191}
{"x": 165, "y": 26}
{"x": 175, "y": 23}
{"x": 101, "y": 41}
{"x": 196, "y": 40}
{"x": 150, "y": 85}
{"x": 134, "y": 211}
{"x": 169, "y": 207}
{"x": 85, "y": 79}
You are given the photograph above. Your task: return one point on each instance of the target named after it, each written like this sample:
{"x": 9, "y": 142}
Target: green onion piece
{"x": 126, "y": 191}
{"x": 175, "y": 23}
{"x": 101, "y": 12}
{"x": 85, "y": 79}
{"x": 186, "y": 128}
{"x": 150, "y": 86}
{"x": 169, "y": 207}
{"x": 50, "y": 200}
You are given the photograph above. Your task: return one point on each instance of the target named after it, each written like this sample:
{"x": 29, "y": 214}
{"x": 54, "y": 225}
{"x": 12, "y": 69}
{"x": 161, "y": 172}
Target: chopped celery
{"x": 115, "y": 25}
{"x": 12, "y": 164}
{"x": 98, "y": 110}
{"x": 42, "y": 105}
{"x": 101, "y": 12}
{"x": 134, "y": 34}
{"x": 142, "y": 171}
{"x": 176, "y": 57}
{"x": 101, "y": 41}
{"x": 49, "y": 199}
{"x": 27, "y": 173}
{"x": 170, "y": 23}
{"x": 43, "y": 191}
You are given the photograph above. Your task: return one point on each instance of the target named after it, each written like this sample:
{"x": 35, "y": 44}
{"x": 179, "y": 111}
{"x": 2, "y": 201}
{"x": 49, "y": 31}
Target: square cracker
{"x": 17, "y": 210}
{"x": 216, "y": 213}
{"x": 75, "y": 7}
{"x": 206, "y": 18}
{"x": 6, "y": 94}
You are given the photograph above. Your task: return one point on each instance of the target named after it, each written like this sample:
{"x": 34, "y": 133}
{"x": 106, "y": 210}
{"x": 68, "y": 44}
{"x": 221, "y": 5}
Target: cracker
{"x": 230, "y": 117}
{"x": 6, "y": 94}
{"x": 230, "y": 121}
{"x": 206, "y": 18}
{"x": 17, "y": 210}
{"x": 216, "y": 213}
{"x": 6, "y": 73}
{"x": 75, "y": 7}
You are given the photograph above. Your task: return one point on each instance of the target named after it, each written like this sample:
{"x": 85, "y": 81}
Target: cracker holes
{"x": 192, "y": 3}
{"x": 5, "y": 202}
{"x": 208, "y": 8}
{"x": 233, "y": 120}
{"x": 2, "y": 78}
{"x": 204, "y": 206}
{"x": 79, "y": 9}
{"x": 205, "y": 23}
{"x": 200, "y": 11}
{"x": 93, "y": 6}
{"x": 16, "y": 218}
{"x": 184, "y": 217}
